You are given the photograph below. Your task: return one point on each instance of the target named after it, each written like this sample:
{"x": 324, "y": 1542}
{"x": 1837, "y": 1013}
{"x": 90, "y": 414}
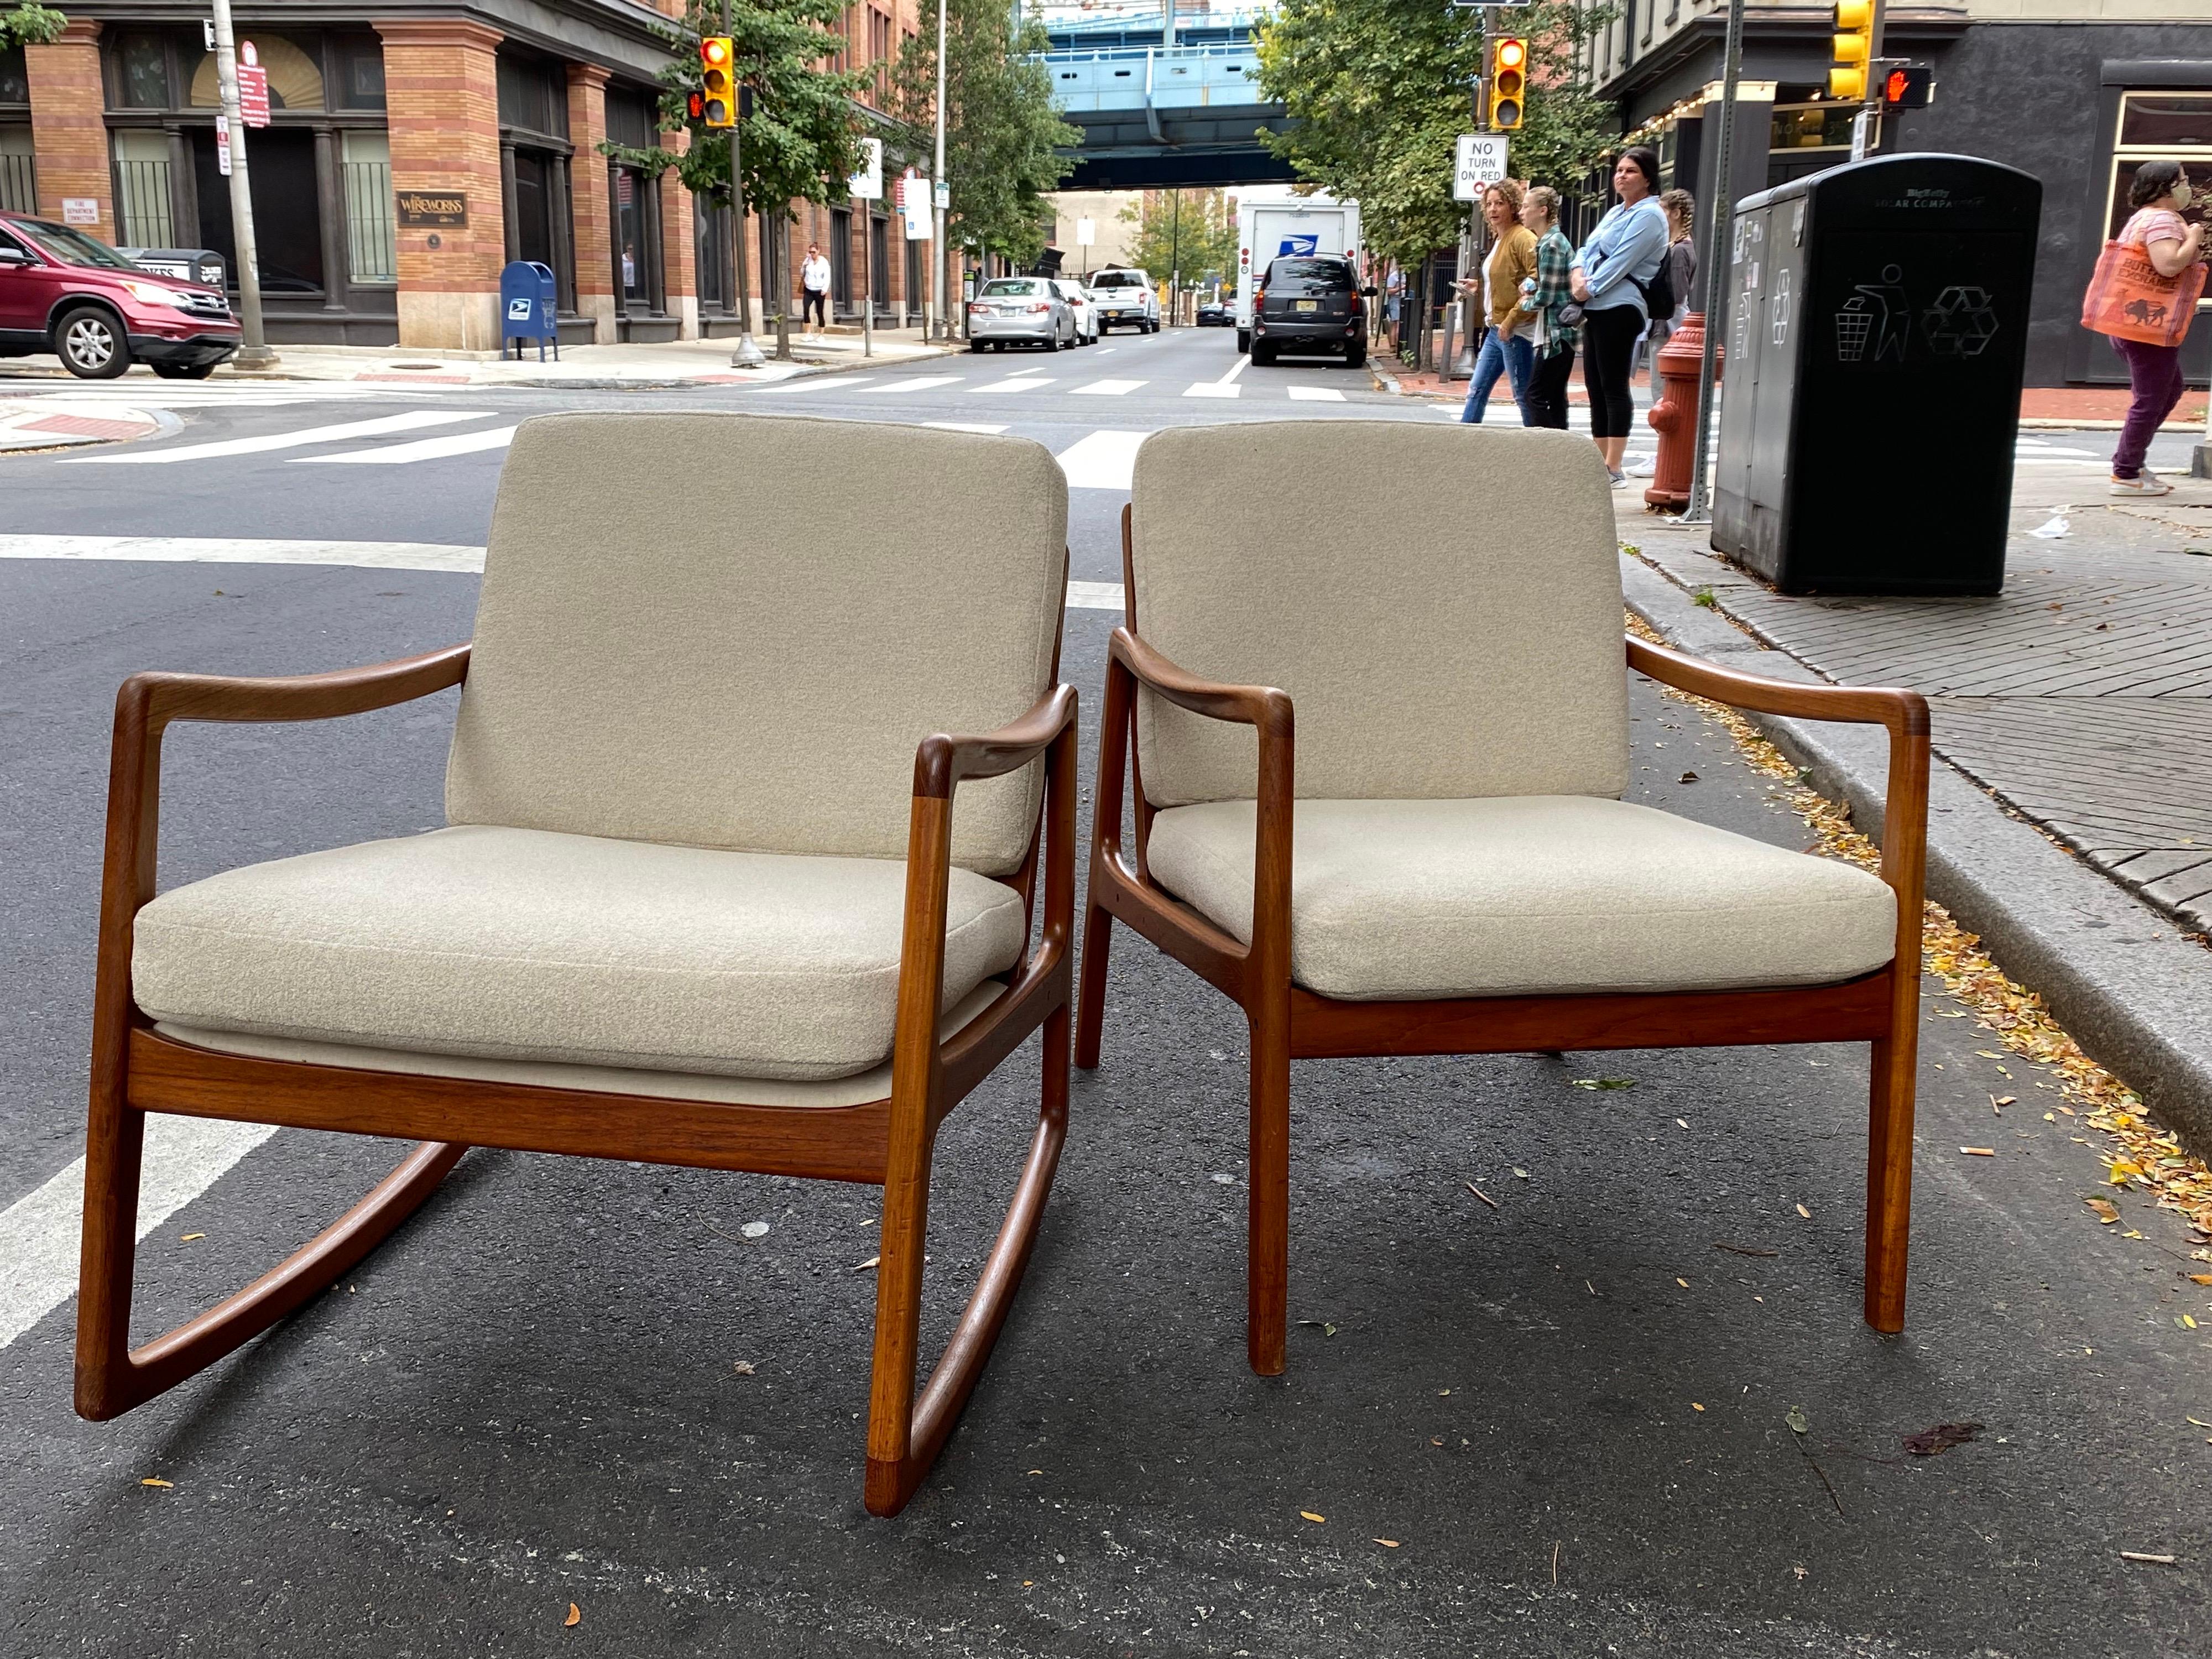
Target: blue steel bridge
{"x": 1165, "y": 95}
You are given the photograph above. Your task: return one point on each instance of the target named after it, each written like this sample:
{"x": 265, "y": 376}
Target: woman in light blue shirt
{"x": 1627, "y": 248}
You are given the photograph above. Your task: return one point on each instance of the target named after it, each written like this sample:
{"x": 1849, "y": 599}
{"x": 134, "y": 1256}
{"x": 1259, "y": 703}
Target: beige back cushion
{"x": 1443, "y": 604}
{"x": 732, "y": 631}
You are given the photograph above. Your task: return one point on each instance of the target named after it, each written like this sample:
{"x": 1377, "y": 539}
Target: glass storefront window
{"x": 142, "y": 186}
{"x": 19, "y": 171}
{"x": 2159, "y": 126}
{"x": 14, "y": 76}
{"x": 630, "y": 234}
{"x": 144, "y": 61}
{"x": 1811, "y": 126}
{"x": 372, "y": 240}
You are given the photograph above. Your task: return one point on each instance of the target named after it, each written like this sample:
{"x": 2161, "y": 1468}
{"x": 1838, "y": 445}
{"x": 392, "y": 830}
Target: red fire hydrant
{"x": 1675, "y": 418}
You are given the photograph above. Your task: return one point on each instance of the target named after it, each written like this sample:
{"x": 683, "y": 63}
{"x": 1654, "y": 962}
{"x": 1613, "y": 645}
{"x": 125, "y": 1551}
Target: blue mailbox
{"x": 527, "y": 306}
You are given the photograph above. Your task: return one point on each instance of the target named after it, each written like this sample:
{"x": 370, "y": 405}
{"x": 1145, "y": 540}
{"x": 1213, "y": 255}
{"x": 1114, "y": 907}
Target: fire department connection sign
{"x": 1480, "y": 161}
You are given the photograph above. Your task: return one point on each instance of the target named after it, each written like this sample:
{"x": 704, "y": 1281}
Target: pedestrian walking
{"x": 1548, "y": 296}
{"x": 1394, "y": 300}
{"x": 1509, "y": 340}
{"x": 1611, "y": 274}
{"x": 2143, "y": 296}
{"x": 814, "y": 277}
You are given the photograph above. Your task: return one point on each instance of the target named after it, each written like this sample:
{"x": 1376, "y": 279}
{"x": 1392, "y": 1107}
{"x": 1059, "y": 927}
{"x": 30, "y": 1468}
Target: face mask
{"x": 2183, "y": 195}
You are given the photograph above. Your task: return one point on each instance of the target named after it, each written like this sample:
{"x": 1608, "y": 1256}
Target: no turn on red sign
{"x": 1480, "y": 160}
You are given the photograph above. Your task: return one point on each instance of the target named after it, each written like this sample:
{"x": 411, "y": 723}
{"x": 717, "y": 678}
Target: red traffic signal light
{"x": 715, "y": 105}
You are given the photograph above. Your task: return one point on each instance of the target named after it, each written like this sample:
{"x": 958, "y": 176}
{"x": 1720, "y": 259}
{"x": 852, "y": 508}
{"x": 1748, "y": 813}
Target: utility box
{"x": 1877, "y": 336}
{"x": 528, "y": 307}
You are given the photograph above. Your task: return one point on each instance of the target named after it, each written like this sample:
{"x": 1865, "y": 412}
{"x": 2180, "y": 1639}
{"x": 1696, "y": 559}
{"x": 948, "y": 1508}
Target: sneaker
{"x": 1620, "y": 480}
{"x": 2144, "y": 485}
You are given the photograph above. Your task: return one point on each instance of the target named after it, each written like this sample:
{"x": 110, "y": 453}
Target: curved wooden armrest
{"x": 158, "y": 699}
{"x": 1905, "y": 712}
{"x": 943, "y": 761}
{"x": 1245, "y": 705}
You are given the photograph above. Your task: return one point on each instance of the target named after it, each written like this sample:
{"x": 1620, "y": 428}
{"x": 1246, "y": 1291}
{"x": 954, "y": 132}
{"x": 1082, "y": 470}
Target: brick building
{"x": 414, "y": 148}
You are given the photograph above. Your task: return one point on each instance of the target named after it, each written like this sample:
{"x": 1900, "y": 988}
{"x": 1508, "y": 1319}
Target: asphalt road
{"x": 1568, "y": 1411}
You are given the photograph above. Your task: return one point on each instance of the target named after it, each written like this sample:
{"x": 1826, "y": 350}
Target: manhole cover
{"x": 419, "y": 365}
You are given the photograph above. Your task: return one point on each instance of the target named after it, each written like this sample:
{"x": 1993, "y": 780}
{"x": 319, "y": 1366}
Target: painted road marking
{"x": 816, "y": 382}
{"x": 1317, "y": 394}
{"x": 1212, "y": 389}
{"x": 426, "y": 449}
{"x": 1102, "y": 460}
{"x": 1094, "y": 596}
{"x": 1027, "y": 383}
{"x": 919, "y": 383}
{"x": 225, "y": 549}
{"x": 1105, "y": 389}
{"x": 40, "y": 1233}
{"x": 967, "y": 426}
{"x": 413, "y": 419}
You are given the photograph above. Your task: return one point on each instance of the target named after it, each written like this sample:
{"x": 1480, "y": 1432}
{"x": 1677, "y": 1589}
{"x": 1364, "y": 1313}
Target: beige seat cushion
{"x": 1401, "y": 900}
{"x": 525, "y": 945}
{"x": 1459, "y": 636}
{"x": 716, "y": 629}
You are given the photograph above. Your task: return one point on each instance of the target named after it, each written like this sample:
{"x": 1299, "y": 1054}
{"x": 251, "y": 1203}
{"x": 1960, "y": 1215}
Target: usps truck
{"x": 1267, "y": 230}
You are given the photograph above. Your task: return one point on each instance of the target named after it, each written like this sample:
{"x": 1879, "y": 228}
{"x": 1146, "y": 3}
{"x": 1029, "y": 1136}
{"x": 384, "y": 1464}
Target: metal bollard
{"x": 1676, "y": 416}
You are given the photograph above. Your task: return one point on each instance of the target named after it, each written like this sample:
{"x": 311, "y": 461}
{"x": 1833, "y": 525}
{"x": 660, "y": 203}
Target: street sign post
{"x": 253, "y": 86}
{"x": 868, "y": 185}
{"x": 1480, "y": 161}
{"x": 253, "y": 352}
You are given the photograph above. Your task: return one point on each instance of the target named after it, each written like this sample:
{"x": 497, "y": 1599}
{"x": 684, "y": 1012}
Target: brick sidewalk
{"x": 2080, "y": 696}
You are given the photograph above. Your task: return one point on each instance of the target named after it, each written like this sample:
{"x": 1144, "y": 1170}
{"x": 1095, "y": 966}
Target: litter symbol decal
{"x": 1963, "y": 322}
{"x": 1875, "y": 322}
{"x": 1781, "y": 305}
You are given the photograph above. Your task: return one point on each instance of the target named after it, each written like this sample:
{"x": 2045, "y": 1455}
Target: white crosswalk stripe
{"x": 426, "y": 449}
{"x": 816, "y": 383}
{"x": 1103, "y": 460}
{"x": 1317, "y": 394}
{"x": 1212, "y": 389}
{"x": 968, "y": 426}
{"x": 915, "y": 383}
{"x": 413, "y": 419}
{"x": 1105, "y": 389}
{"x": 1025, "y": 383}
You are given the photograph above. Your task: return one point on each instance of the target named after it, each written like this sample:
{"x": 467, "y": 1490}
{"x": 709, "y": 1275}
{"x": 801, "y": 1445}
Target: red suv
{"x": 65, "y": 292}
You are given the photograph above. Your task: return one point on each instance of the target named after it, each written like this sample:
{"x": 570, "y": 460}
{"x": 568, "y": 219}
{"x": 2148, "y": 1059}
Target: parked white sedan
{"x": 1080, "y": 302}
{"x": 1020, "y": 311}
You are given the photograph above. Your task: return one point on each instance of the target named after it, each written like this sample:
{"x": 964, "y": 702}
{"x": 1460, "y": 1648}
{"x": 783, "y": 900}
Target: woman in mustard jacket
{"x": 1508, "y": 341}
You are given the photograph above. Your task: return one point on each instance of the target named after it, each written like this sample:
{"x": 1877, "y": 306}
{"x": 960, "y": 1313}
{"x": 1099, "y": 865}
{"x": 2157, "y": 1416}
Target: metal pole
{"x": 937, "y": 182}
{"x": 1175, "y": 253}
{"x": 253, "y": 352}
{"x": 1866, "y": 125}
{"x": 747, "y": 353}
{"x": 1718, "y": 272}
{"x": 868, "y": 281}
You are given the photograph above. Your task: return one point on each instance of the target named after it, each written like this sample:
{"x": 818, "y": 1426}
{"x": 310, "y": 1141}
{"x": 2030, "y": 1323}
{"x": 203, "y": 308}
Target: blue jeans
{"x": 1512, "y": 357}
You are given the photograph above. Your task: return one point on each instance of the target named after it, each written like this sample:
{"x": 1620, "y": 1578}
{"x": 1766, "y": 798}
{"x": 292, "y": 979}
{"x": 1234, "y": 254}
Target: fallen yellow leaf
{"x": 1684, "y": 1283}
{"x": 1310, "y": 1516}
{"x": 1387, "y": 1543}
{"x": 188, "y": 1237}
{"x": 2190, "y": 1320}
{"x": 2198, "y": 1421}
{"x": 872, "y": 1261}
{"x": 2105, "y": 1212}
{"x": 156, "y": 1480}
{"x": 575, "y": 1616}
{"x": 1695, "y": 1406}
{"x": 1803, "y": 1210}
{"x": 1979, "y": 1152}
{"x": 2200, "y": 1279}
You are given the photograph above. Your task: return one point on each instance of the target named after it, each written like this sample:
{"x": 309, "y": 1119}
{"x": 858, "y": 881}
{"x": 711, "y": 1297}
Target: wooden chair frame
{"x": 889, "y": 1142}
{"x": 1288, "y": 1021}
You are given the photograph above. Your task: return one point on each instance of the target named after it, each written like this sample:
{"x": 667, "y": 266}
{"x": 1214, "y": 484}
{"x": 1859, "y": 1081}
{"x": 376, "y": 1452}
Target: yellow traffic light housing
{"x": 1509, "y": 82}
{"x": 717, "y": 93}
{"x": 1853, "y": 50}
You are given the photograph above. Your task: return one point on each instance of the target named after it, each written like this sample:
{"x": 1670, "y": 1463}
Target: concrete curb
{"x": 2132, "y": 990}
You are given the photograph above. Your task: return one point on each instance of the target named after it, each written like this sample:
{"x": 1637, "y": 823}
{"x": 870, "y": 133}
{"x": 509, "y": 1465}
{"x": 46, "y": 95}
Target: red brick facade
{"x": 678, "y": 246}
{"x": 441, "y": 97}
{"x": 69, "y": 126}
{"x": 592, "y": 210}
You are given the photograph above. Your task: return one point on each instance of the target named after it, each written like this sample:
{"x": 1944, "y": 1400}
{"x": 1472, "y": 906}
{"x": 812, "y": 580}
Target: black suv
{"x": 1310, "y": 302}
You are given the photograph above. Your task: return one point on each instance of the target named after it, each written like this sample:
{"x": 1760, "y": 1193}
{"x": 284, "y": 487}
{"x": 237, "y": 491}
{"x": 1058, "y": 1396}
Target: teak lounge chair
{"x": 1439, "y": 861}
{"x": 704, "y": 897}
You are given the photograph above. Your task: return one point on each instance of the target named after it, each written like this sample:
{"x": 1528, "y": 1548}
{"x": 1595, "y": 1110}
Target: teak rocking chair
{"x": 703, "y": 900}
{"x": 1441, "y": 864}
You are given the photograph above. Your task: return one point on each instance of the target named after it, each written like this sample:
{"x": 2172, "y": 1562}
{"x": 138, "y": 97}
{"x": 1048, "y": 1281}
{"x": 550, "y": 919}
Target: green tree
{"x": 1199, "y": 240}
{"x": 1380, "y": 90}
{"x": 800, "y": 142}
{"x": 1002, "y": 134}
{"x": 31, "y": 25}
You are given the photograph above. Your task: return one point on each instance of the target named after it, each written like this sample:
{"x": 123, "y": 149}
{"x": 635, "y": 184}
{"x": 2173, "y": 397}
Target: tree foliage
{"x": 1380, "y": 91}
{"x": 31, "y": 25}
{"x": 801, "y": 142}
{"x": 1001, "y": 132}
{"x": 1200, "y": 242}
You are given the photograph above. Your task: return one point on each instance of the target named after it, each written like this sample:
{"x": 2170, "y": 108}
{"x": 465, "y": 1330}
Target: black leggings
{"x": 818, "y": 304}
{"x": 1547, "y": 389}
{"x": 1609, "y": 346}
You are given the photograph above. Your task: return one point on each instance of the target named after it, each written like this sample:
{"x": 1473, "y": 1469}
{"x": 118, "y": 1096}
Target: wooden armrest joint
{"x": 942, "y": 761}
{"x": 157, "y": 699}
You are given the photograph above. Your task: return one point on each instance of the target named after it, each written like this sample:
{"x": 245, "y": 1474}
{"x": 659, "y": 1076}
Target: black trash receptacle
{"x": 1877, "y": 336}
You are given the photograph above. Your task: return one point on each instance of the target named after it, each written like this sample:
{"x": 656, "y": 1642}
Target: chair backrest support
{"x": 1443, "y": 604}
{"x": 757, "y": 677}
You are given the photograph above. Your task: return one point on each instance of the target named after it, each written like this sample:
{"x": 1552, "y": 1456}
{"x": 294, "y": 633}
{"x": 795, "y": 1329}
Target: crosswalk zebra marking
{"x": 992, "y": 427}
{"x": 1105, "y": 389}
{"x": 1024, "y": 383}
{"x": 918, "y": 383}
{"x": 1315, "y": 394}
{"x": 1103, "y": 460}
{"x": 426, "y": 449}
{"x": 381, "y": 426}
{"x": 1212, "y": 389}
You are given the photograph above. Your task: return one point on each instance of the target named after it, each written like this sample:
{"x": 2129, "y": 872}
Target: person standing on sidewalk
{"x": 2159, "y": 194}
{"x": 1549, "y": 296}
{"x": 1509, "y": 342}
{"x": 814, "y": 277}
{"x": 1610, "y": 270}
{"x": 1681, "y": 209}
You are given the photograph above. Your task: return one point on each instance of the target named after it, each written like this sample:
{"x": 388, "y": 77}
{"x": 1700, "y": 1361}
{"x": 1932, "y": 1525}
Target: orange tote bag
{"x": 2130, "y": 300}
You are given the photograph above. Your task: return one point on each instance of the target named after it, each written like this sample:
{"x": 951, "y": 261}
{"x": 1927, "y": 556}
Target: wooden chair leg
{"x": 1889, "y": 1179}
{"x": 1091, "y": 1002}
{"x": 907, "y": 1433}
{"x": 112, "y": 1378}
{"x": 1267, "y": 1288}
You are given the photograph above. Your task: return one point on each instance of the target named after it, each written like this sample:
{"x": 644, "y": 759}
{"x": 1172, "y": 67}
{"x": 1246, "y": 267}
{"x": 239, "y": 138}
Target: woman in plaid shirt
{"x": 1555, "y": 340}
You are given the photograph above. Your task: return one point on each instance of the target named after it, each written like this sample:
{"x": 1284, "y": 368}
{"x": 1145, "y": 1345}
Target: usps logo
{"x": 1307, "y": 243}
{"x": 518, "y": 311}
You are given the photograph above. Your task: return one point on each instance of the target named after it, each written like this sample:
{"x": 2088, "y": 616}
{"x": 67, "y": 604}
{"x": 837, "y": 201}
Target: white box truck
{"x": 1295, "y": 224}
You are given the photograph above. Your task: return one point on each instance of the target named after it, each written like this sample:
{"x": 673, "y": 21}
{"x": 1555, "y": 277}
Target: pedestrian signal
{"x": 1908, "y": 86}
{"x": 1848, "y": 78}
{"x": 1509, "y": 82}
{"x": 717, "y": 53}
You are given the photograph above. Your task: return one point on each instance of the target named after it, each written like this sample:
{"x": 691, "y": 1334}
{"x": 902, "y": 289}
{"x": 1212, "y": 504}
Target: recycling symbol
{"x": 1961, "y": 323}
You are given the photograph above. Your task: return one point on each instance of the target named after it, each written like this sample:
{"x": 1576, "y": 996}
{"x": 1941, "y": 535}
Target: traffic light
{"x": 1509, "y": 82}
{"x": 717, "y": 53}
{"x": 1854, "y": 51}
{"x": 1908, "y": 86}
